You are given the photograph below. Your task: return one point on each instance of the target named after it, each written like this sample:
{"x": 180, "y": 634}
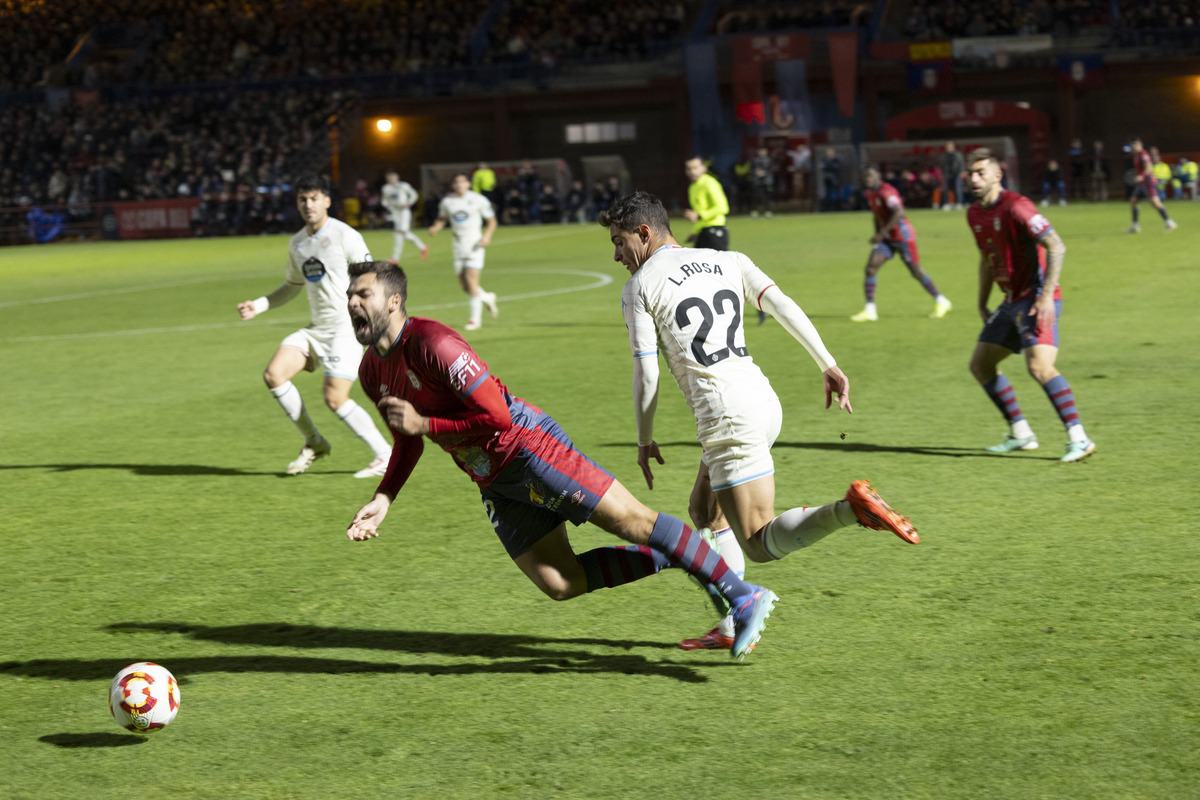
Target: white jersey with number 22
{"x": 693, "y": 302}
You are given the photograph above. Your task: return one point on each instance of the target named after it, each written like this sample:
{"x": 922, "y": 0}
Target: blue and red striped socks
{"x": 927, "y": 284}
{"x": 607, "y": 567}
{"x": 869, "y": 287}
{"x": 689, "y": 551}
{"x": 1005, "y": 397}
{"x": 1060, "y": 394}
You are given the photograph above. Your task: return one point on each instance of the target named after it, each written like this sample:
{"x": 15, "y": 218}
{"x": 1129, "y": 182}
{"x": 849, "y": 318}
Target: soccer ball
{"x": 144, "y": 697}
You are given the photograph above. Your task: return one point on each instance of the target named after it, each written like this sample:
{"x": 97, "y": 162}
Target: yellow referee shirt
{"x": 707, "y": 199}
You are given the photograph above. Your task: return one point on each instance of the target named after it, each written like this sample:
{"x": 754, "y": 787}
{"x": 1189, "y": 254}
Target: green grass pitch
{"x": 1041, "y": 641}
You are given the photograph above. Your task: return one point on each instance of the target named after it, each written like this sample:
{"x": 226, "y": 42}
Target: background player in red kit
{"x": 894, "y": 235}
{"x": 428, "y": 381}
{"x": 1022, "y": 254}
{"x": 1145, "y": 187}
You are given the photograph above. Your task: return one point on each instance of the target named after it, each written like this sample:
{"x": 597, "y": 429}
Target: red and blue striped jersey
{"x": 883, "y": 201}
{"x": 1008, "y": 235}
{"x": 472, "y": 415}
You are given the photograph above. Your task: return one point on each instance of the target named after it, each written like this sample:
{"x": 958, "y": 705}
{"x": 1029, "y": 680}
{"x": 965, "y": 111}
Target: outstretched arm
{"x": 796, "y": 322}
{"x": 252, "y": 308}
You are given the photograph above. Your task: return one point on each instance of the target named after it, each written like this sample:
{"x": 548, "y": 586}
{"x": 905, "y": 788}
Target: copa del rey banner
{"x": 151, "y": 219}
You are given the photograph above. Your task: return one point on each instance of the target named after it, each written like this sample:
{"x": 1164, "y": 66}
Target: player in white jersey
{"x": 318, "y": 258}
{"x": 398, "y": 197}
{"x": 466, "y": 212}
{"x": 692, "y": 301}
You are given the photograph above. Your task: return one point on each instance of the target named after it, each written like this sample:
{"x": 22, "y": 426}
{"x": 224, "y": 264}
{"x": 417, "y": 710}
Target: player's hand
{"x": 690, "y": 216}
{"x": 401, "y": 416}
{"x": 365, "y": 524}
{"x": 1043, "y": 310}
{"x": 876, "y": 239}
{"x": 986, "y": 313}
{"x": 247, "y": 311}
{"x": 645, "y": 453}
{"x": 485, "y": 241}
{"x": 836, "y": 383}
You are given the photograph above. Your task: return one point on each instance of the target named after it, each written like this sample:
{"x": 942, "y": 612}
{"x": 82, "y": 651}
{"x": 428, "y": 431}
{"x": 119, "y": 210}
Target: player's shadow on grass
{"x": 866, "y": 447}
{"x": 497, "y": 654}
{"x": 72, "y": 740}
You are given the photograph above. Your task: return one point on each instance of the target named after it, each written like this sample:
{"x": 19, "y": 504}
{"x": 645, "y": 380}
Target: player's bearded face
{"x": 368, "y": 312}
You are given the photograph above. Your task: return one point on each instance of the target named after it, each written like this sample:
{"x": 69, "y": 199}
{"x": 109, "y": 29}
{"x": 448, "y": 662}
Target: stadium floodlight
{"x": 383, "y": 125}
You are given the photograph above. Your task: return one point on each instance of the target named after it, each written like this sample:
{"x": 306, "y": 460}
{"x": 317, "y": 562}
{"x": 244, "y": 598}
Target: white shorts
{"x": 336, "y": 350}
{"x": 402, "y": 220}
{"x": 738, "y": 449}
{"x": 468, "y": 258}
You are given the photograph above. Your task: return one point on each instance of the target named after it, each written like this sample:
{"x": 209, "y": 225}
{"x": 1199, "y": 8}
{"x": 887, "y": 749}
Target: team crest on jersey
{"x": 383, "y": 390}
{"x": 325, "y": 241}
{"x": 996, "y": 222}
{"x": 313, "y": 269}
{"x": 978, "y": 228}
{"x": 414, "y": 380}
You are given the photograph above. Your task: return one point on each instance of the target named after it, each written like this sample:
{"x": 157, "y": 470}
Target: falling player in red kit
{"x": 894, "y": 235}
{"x": 428, "y": 382}
{"x": 1022, "y": 254}
{"x": 1145, "y": 187}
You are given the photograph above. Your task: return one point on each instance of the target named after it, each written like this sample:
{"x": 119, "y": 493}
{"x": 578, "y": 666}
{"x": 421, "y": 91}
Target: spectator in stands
{"x": 576, "y": 204}
{"x": 762, "y": 168}
{"x": 1186, "y": 173}
{"x": 549, "y": 206}
{"x": 1052, "y": 181}
{"x": 952, "y": 165}
{"x": 831, "y": 181}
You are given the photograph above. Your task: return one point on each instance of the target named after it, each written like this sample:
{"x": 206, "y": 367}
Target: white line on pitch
{"x": 601, "y": 280}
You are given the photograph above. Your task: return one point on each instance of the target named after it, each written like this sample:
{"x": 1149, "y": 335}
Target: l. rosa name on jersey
{"x": 695, "y": 268}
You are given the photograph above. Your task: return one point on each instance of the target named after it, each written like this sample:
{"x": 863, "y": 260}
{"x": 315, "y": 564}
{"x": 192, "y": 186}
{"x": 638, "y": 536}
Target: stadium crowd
{"x": 735, "y": 17}
{"x": 237, "y": 151}
{"x": 553, "y": 31}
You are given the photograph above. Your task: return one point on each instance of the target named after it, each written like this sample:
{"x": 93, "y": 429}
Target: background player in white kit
{"x": 318, "y": 257}
{"x": 398, "y": 197}
{"x": 692, "y": 300}
{"x": 467, "y": 211}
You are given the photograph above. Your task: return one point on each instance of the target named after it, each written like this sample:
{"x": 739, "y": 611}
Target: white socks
{"x": 1075, "y": 434}
{"x": 359, "y": 421}
{"x": 475, "y": 307}
{"x": 288, "y": 397}
{"x": 1021, "y": 429}
{"x": 731, "y": 551}
{"x": 805, "y": 526}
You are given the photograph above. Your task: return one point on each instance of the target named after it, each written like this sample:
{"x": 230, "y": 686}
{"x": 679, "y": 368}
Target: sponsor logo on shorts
{"x": 537, "y": 496}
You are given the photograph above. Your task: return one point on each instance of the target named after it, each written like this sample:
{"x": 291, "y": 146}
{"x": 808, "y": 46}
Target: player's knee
{"x": 272, "y": 378}
{"x": 560, "y": 590}
{"x": 755, "y": 551}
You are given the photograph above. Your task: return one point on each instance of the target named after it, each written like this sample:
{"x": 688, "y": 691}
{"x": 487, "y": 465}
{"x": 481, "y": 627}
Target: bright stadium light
{"x": 384, "y": 125}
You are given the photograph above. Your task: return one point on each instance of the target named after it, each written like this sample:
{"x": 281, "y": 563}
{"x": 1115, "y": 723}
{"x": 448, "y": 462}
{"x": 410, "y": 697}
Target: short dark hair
{"x": 982, "y": 154}
{"x": 633, "y": 210}
{"x": 871, "y": 167}
{"x": 389, "y": 276}
{"x": 312, "y": 182}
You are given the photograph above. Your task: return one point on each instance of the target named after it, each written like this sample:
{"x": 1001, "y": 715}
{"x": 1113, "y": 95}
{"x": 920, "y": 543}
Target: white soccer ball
{"x": 144, "y": 697}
